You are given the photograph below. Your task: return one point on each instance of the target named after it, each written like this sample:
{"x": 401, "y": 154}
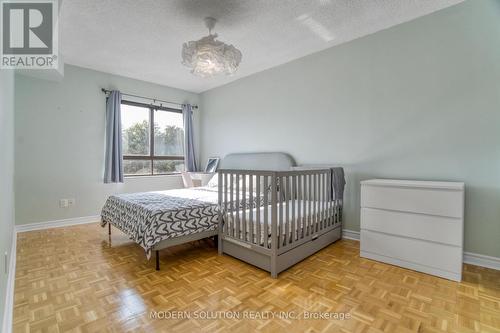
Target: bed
{"x": 161, "y": 219}
{"x": 157, "y": 220}
{"x": 300, "y": 210}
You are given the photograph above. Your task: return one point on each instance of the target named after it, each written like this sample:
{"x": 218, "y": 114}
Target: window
{"x": 152, "y": 139}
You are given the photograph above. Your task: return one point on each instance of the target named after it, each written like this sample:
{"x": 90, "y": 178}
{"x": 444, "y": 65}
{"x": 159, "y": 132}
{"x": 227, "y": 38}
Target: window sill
{"x": 151, "y": 176}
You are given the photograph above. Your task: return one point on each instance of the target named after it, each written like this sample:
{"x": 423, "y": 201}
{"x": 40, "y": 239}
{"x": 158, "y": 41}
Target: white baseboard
{"x": 350, "y": 234}
{"x": 482, "y": 260}
{"x": 57, "y": 223}
{"x": 9, "y": 291}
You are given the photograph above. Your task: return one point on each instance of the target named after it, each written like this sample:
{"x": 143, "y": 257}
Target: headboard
{"x": 258, "y": 161}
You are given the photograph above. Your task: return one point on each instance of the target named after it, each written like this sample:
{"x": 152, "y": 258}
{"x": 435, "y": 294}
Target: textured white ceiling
{"x": 142, "y": 39}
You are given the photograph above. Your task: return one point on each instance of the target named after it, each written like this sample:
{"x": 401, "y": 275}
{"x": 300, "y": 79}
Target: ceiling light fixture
{"x": 207, "y": 57}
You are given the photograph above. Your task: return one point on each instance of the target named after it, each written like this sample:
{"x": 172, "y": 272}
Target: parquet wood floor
{"x": 73, "y": 280}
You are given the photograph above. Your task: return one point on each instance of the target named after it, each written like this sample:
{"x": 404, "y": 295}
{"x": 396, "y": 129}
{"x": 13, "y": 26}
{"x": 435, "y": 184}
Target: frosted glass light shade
{"x": 208, "y": 56}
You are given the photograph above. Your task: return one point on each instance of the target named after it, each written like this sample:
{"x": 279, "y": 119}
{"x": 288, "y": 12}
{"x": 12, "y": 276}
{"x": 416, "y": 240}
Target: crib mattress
{"x": 315, "y": 210}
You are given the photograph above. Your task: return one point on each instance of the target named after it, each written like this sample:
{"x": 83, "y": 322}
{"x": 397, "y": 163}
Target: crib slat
{"x": 332, "y": 208}
{"x": 313, "y": 203}
{"x": 274, "y": 221}
{"x": 220, "y": 197}
{"x": 280, "y": 212}
{"x": 318, "y": 220}
{"x": 339, "y": 211}
{"x": 329, "y": 198}
{"x": 287, "y": 210}
{"x": 266, "y": 207}
{"x": 309, "y": 204}
{"x": 318, "y": 202}
{"x": 231, "y": 204}
{"x": 320, "y": 188}
{"x": 243, "y": 208}
{"x": 335, "y": 211}
{"x": 225, "y": 230}
{"x": 237, "y": 203}
{"x": 332, "y": 217}
{"x": 334, "y": 204}
{"x": 341, "y": 205}
{"x": 312, "y": 206}
{"x": 294, "y": 198}
{"x": 300, "y": 205}
{"x": 303, "y": 204}
{"x": 258, "y": 205}
{"x": 323, "y": 202}
{"x": 250, "y": 207}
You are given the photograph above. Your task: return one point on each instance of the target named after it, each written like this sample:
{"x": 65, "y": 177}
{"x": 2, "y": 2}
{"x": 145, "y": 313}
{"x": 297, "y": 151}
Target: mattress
{"x": 301, "y": 216}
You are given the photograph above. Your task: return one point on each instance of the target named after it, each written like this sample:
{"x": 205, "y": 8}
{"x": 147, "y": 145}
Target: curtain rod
{"x": 106, "y": 91}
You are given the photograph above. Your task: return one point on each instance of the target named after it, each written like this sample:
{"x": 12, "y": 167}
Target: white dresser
{"x": 414, "y": 224}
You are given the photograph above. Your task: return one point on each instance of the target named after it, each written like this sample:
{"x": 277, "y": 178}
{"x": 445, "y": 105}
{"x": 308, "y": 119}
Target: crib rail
{"x": 276, "y": 210}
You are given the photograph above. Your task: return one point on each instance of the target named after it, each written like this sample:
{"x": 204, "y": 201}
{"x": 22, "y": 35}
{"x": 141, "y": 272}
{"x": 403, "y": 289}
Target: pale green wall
{"x": 419, "y": 101}
{"x": 60, "y": 143}
{"x": 6, "y": 176}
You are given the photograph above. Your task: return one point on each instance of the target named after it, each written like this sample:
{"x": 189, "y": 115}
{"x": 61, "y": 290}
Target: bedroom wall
{"x": 60, "y": 143}
{"x": 417, "y": 101}
{"x": 7, "y": 213}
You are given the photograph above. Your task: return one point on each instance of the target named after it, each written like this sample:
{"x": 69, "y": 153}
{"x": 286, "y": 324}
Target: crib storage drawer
{"x": 414, "y": 224}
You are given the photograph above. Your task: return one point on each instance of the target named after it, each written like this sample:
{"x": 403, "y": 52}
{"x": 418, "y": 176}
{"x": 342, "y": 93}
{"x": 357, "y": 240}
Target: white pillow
{"x": 214, "y": 181}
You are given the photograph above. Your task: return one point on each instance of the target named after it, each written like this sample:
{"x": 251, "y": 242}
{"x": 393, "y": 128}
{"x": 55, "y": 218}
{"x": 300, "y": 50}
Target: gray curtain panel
{"x": 189, "y": 155}
{"x": 113, "y": 169}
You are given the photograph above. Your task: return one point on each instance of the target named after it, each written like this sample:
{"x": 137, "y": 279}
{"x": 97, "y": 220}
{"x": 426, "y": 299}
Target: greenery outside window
{"x": 152, "y": 139}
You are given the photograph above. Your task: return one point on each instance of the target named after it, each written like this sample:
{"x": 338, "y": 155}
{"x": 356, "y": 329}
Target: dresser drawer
{"x": 441, "y": 202}
{"x": 433, "y": 258}
{"x": 446, "y": 230}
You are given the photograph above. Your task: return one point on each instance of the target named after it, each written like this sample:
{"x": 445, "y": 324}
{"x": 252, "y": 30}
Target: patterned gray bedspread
{"x": 150, "y": 217}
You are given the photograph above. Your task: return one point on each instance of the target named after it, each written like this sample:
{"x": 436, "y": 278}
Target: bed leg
{"x": 157, "y": 254}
